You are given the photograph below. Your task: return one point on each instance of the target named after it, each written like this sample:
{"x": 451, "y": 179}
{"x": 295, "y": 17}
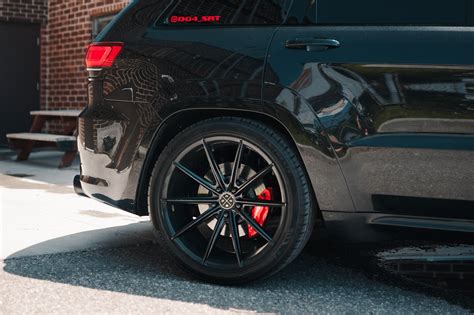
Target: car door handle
{"x": 312, "y": 44}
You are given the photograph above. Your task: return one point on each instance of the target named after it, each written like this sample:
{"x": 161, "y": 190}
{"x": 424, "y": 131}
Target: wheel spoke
{"x": 234, "y": 229}
{"x": 191, "y": 201}
{"x": 254, "y": 178}
{"x": 256, "y": 226}
{"x": 260, "y": 203}
{"x": 200, "y": 219}
{"x": 236, "y": 166}
{"x": 204, "y": 182}
{"x": 215, "y": 235}
{"x": 213, "y": 164}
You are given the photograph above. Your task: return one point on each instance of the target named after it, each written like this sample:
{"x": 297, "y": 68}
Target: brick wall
{"x": 63, "y": 43}
{"x": 29, "y": 11}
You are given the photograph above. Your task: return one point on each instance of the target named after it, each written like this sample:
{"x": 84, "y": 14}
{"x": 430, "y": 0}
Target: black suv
{"x": 238, "y": 125}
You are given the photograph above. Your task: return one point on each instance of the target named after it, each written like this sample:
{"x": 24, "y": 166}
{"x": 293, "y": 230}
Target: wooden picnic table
{"x": 65, "y": 141}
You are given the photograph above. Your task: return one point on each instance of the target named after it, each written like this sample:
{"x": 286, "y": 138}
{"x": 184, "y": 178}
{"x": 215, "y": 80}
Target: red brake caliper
{"x": 260, "y": 213}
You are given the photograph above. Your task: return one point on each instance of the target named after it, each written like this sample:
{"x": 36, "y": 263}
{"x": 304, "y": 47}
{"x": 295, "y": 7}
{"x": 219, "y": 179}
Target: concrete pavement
{"x": 41, "y": 214}
{"x": 61, "y": 253}
{"x": 145, "y": 279}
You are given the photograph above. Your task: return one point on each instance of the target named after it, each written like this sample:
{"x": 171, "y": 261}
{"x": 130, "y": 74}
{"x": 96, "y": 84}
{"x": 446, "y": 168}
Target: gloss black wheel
{"x": 231, "y": 201}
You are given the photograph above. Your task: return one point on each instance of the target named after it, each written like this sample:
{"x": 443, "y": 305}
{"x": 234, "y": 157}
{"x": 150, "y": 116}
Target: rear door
{"x": 19, "y": 76}
{"x": 392, "y": 84}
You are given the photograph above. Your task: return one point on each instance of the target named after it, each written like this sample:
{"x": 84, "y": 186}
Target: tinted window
{"x": 99, "y": 23}
{"x": 395, "y": 12}
{"x": 303, "y": 12}
{"x": 227, "y": 12}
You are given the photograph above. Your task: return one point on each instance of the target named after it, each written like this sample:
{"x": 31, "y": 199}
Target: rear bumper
{"x": 101, "y": 182}
{"x": 78, "y": 186}
{"x": 108, "y": 142}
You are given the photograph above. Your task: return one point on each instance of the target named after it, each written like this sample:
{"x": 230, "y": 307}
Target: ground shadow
{"x": 313, "y": 283}
{"x": 98, "y": 239}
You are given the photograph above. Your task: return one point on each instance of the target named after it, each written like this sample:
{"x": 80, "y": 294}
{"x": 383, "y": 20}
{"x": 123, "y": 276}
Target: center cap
{"x": 227, "y": 201}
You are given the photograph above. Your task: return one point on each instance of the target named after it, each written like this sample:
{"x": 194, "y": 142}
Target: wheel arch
{"x": 181, "y": 120}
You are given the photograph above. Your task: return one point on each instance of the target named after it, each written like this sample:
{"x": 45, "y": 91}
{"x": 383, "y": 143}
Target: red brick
{"x": 66, "y": 31}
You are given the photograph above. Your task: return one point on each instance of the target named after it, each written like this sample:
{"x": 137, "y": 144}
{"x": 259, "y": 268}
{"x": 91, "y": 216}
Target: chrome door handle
{"x": 312, "y": 44}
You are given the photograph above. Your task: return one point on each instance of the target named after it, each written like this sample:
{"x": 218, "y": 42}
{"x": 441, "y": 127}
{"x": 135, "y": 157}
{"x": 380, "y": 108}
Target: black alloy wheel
{"x": 222, "y": 197}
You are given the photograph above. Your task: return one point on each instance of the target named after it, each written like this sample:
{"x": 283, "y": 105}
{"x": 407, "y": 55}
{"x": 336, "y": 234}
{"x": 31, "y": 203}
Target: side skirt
{"x": 375, "y": 227}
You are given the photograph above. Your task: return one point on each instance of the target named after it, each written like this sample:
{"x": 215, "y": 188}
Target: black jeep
{"x": 237, "y": 125}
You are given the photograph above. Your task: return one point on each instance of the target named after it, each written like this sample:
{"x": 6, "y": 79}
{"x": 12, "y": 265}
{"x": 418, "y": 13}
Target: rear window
{"x": 395, "y": 12}
{"x": 225, "y": 12}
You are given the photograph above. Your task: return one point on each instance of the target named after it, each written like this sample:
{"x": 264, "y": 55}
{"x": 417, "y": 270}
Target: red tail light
{"x": 102, "y": 55}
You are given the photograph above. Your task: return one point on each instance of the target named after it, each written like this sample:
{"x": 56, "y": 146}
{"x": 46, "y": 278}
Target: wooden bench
{"x": 65, "y": 142}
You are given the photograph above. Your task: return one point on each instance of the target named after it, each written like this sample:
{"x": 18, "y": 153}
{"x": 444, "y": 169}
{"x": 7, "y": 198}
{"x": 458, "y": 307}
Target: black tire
{"x": 289, "y": 211}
